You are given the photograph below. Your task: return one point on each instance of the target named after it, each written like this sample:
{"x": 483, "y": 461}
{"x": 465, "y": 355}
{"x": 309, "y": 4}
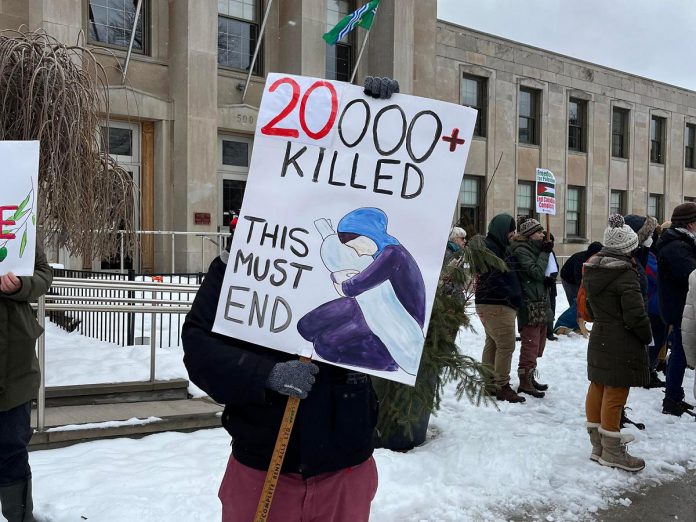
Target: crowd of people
{"x": 637, "y": 290}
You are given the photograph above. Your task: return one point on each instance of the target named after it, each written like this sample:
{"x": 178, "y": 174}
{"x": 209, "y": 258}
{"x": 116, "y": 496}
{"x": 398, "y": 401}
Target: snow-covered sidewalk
{"x": 480, "y": 464}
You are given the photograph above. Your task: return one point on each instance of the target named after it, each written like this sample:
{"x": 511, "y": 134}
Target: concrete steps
{"x": 139, "y": 391}
{"x": 72, "y": 424}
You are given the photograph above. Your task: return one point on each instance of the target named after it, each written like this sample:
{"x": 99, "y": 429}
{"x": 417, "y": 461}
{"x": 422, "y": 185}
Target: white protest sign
{"x": 545, "y": 192}
{"x": 343, "y": 227}
{"x": 19, "y": 173}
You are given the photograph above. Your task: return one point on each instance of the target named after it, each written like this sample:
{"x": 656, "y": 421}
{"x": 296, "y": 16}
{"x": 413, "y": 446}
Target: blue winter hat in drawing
{"x": 368, "y": 222}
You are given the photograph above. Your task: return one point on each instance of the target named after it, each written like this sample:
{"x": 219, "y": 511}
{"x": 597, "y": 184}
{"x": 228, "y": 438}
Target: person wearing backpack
{"x": 531, "y": 254}
{"x": 571, "y": 272}
{"x": 617, "y": 358}
{"x": 676, "y": 259}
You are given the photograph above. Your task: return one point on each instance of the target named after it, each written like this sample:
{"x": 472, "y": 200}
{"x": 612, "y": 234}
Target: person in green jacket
{"x": 617, "y": 355}
{"x": 531, "y": 253}
{"x": 19, "y": 383}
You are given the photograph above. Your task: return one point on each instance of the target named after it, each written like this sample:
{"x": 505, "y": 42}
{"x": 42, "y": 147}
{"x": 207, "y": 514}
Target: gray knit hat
{"x": 619, "y": 238}
{"x": 529, "y": 227}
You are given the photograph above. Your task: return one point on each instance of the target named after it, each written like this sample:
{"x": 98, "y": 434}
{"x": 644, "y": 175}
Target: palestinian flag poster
{"x": 545, "y": 192}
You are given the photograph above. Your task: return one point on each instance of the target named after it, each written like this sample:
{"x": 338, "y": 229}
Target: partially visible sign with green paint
{"x": 19, "y": 178}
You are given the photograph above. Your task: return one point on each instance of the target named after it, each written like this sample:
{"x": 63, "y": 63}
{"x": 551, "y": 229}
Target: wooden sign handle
{"x": 548, "y": 228}
{"x": 281, "y": 446}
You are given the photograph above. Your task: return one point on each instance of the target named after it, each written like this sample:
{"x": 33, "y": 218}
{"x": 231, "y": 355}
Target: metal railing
{"x": 122, "y": 328}
{"x": 217, "y": 239}
{"x": 153, "y": 304}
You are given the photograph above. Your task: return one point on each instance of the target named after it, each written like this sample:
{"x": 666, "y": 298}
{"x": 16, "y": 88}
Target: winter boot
{"x": 16, "y": 501}
{"x": 506, "y": 393}
{"x": 614, "y": 453}
{"x": 672, "y": 407}
{"x": 655, "y": 381}
{"x": 538, "y": 385}
{"x": 526, "y": 384}
{"x": 595, "y": 440}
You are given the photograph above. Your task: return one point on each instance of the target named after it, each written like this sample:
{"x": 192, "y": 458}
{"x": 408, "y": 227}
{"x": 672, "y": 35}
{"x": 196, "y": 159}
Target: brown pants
{"x": 533, "y": 344}
{"x": 499, "y": 324}
{"x": 604, "y": 404}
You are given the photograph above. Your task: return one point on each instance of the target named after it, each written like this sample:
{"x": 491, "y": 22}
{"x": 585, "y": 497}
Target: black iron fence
{"x": 124, "y": 328}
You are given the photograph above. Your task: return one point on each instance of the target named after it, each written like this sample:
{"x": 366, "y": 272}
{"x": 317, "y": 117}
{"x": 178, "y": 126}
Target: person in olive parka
{"x": 19, "y": 384}
{"x": 498, "y": 296}
{"x": 532, "y": 253}
{"x": 617, "y": 357}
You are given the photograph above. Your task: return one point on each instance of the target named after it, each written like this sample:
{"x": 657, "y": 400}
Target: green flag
{"x": 363, "y": 17}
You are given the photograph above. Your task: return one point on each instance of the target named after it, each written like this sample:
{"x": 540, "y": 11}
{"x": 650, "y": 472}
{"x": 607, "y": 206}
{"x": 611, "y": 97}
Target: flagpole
{"x": 130, "y": 43}
{"x": 362, "y": 50}
{"x": 256, "y": 50}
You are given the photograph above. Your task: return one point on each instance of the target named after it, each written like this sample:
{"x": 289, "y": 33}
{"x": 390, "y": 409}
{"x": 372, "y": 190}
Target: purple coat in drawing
{"x": 338, "y": 329}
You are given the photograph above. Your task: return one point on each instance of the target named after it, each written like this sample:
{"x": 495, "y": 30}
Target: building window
{"x": 339, "y": 57}
{"x": 111, "y": 23}
{"x": 619, "y": 133}
{"x": 657, "y": 140}
{"x": 655, "y": 206}
{"x": 577, "y": 117}
{"x": 529, "y": 115}
{"x": 474, "y": 95}
{"x": 574, "y": 212}
{"x": 238, "y": 32}
{"x": 525, "y": 199}
{"x": 689, "y": 139}
{"x": 234, "y": 153}
{"x": 470, "y": 203}
{"x": 617, "y": 202}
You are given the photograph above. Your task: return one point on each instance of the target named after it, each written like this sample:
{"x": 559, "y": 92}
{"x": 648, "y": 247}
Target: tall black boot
{"x": 16, "y": 501}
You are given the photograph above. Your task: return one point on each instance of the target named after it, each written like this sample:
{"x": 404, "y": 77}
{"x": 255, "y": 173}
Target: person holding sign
{"x": 328, "y": 472}
{"x": 532, "y": 253}
{"x": 19, "y": 383}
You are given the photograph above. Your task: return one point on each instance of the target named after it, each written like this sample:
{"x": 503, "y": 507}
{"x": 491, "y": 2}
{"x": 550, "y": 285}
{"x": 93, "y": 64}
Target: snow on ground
{"x": 74, "y": 359}
{"x": 480, "y": 464}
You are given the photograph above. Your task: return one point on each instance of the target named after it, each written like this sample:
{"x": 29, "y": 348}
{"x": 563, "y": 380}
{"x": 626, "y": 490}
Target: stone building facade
{"x": 615, "y": 141}
{"x": 179, "y": 123}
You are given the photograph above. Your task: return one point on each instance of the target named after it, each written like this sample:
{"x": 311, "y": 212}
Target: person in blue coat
{"x": 676, "y": 259}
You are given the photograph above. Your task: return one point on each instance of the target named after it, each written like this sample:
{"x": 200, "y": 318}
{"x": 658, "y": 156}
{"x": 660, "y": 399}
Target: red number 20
{"x": 270, "y": 128}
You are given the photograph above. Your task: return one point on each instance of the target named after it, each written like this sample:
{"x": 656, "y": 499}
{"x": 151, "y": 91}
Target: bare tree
{"x": 58, "y": 94}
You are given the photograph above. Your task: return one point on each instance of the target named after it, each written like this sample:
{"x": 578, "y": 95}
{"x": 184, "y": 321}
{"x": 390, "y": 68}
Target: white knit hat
{"x": 619, "y": 237}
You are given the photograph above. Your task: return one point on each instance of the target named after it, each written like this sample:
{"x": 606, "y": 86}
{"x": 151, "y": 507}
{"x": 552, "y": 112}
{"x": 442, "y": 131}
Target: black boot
{"x": 16, "y": 501}
{"x": 655, "y": 381}
{"x": 672, "y": 407}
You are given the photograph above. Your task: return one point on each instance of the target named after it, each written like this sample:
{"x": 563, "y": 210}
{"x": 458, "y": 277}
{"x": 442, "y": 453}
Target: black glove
{"x": 294, "y": 378}
{"x": 380, "y": 87}
{"x": 547, "y": 246}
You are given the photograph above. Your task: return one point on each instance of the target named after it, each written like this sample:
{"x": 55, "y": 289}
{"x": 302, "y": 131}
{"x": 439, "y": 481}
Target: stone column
{"x": 61, "y": 19}
{"x": 193, "y": 66}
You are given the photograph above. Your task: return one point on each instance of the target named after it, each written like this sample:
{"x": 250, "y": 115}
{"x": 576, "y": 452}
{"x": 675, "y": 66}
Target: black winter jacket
{"x": 335, "y": 425}
{"x": 495, "y": 287}
{"x": 572, "y": 268}
{"x": 676, "y": 259}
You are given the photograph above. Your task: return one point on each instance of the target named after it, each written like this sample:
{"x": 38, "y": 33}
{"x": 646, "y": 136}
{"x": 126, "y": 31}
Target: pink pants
{"x": 341, "y": 496}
